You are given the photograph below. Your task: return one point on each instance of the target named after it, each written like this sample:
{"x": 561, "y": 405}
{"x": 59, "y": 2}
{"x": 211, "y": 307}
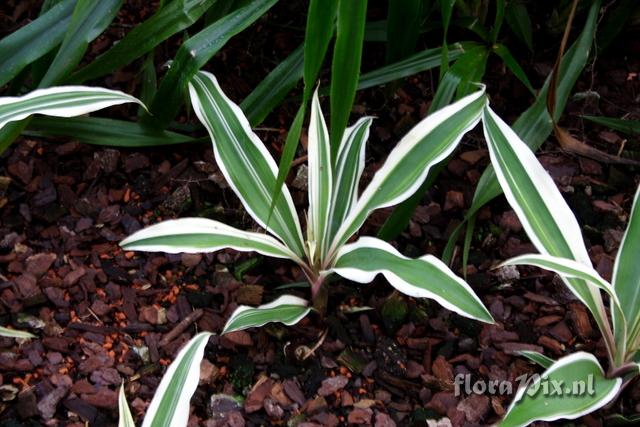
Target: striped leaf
{"x": 407, "y": 166}
{"x": 320, "y": 179}
{"x": 544, "y": 214}
{"x": 563, "y": 267}
{"x": 125, "y": 419}
{"x": 197, "y": 235}
{"x": 626, "y": 272}
{"x": 538, "y": 358}
{"x": 12, "y": 333}
{"x": 348, "y": 170}
{"x": 170, "y": 403}
{"x": 244, "y": 160}
{"x": 425, "y": 277}
{"x": 287, "y": 309}
{"x": 583, "y": 388}
{"x": 61, "y": 101}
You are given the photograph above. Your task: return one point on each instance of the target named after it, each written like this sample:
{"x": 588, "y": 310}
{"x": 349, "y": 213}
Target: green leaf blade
{"x": 170, "y": 403}
{"x": 194, "y": 54}
{"x": 174, "y": 17}
{"x": 197, "y": 235}
{"x": 244, "y": 161}
{"x": 286, "y": 309}
{"x": 34, "y": 40}
{"x": 345, "y": 68}
{"x": 425, "y": 277}
{"x": 579, "y": 371}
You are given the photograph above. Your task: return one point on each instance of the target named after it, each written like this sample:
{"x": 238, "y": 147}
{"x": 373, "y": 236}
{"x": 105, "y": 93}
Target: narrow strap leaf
{"x": 345, "y": 67}
{"x": 287, "y": 309}
{"x": 543, "y": 212}
{"x": 408, "y": 164}
{"x": 170, "y": 403}
{"x": 197, "y": 235}
{"x": 34, "y": 40}
{"x": 425, "y": 277}
{"x": 60, "y": 101}
{"x": 349, "y": 167}
{"x": 320, "y": 178}
{"x": 244, "y": 160}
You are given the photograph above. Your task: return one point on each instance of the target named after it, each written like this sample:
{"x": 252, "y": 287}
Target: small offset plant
{"x": 555, "y": 232}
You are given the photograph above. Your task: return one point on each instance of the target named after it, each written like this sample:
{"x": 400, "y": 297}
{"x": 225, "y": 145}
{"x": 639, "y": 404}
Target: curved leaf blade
{"x": 244, "y": 161}
{"x": 60, "y": 101}
{"x": 320, "y": 177}
{"x": 88, "y": 21}
{"x": 579, "y": 371}
{"x": 349, "y": 167}
{"x": 287, "y": 309}
{"x": 425, "y": 277}
{"x": 408, "y": 165}
{"x": 197, "y": 235}
{"x": 170, "y": 403}
{"x": 543, "y": 212}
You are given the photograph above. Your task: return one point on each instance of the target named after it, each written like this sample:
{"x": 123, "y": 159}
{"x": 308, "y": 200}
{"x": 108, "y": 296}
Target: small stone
{"x": 383, "y": 420}
{"x": 191, "y": 260}
{"x": 453, "y": 200}
{"x": 241, "y": 338}
{"x": 39, "y": 264}
{"x": 48, "y": 404}
{"x": 153, "y": 315}
{"x": 360, "y": 416}
{"x": 442, "y": 369}
{"x": 475, "y": 407}
{"x": 333, "y": 384}
{"x": 73, "y": 276}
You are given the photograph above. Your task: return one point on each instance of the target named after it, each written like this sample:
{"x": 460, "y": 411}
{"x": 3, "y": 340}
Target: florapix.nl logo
{"x": 464, "y": 384}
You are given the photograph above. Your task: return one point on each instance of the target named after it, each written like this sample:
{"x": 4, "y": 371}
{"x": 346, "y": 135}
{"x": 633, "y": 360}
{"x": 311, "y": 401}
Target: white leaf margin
{"x": 363, "y": 276}
{"x": 581, "y": 355}
{"x": 103, "y": 98}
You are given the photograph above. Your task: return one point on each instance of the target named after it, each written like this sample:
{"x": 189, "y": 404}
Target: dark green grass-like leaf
{"x": 174, "y": 17}
{"x": 403, "y": 28}
{"x": 34, "y": 40}
{"x": 101, "y": 131}
{"x": 345, "y": 67}
{"x": 194, "y": 54}
{"x": 628, "y": 127}
{"x": 519, "y": 21}
{"x": 89, "y": 20}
